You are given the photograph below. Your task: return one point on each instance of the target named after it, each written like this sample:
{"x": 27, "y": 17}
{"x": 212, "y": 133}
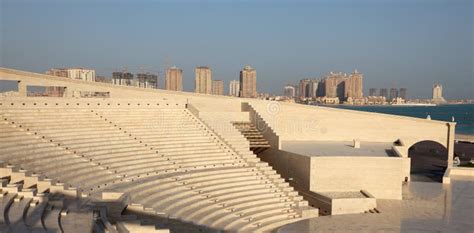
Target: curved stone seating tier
{"x": 185, "y": 197}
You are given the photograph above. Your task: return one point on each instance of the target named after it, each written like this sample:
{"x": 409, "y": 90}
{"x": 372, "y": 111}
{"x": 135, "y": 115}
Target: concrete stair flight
{"x": 257, "y": 141}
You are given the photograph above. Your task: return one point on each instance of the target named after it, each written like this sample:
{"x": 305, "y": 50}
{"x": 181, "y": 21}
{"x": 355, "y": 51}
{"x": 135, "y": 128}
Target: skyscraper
{"x": 234, "y": 88}
{"x": 438, "y": 93}
{"x": 314, "y": 88}
{"x": 305, "y": 88}
{"x": 147, "y": 80}
{"x": 372, "y": 91}
{"x": 402, "y": 93}
{"x": 393, "y": 93}
{"x": 174, "y": 79}
{"x": 334, "y": 85}
{"x": 248, "y": 82}
{"x": 289, "y": 91}
{"x": 203, "y": 80}
{"x": 383, "y": 92}
{"x": 353, "y": 87}
{"x": 122, "y": 78}
{"x": 217, "y": 87}
{"x": 308, "y": 88}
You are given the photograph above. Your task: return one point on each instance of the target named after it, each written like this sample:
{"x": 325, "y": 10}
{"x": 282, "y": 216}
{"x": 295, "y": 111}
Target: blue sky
{"x": 406, "y": 43}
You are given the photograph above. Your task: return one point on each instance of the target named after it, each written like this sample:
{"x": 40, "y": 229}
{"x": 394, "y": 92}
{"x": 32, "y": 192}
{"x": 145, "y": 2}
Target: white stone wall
{"x": 380, "y": 176}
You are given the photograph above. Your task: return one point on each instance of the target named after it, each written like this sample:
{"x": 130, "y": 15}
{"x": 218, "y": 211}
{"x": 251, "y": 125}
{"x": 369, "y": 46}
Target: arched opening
{"x": 429, "y": 161}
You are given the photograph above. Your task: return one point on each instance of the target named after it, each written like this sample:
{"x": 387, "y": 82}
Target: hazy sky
{"x": 406, "y": 43}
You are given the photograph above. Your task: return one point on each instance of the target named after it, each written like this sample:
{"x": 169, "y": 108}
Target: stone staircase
{"x": 32, "y": 203}
{"x": 257, "y": 141}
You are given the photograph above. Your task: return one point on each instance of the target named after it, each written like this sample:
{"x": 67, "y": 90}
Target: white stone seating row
{"x": 42, "y": 156}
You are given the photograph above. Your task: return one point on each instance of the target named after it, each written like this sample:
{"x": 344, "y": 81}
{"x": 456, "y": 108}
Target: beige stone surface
{"x": 426, "y": 207}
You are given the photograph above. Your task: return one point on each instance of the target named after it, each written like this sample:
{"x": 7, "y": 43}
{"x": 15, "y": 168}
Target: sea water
{"x": 463, "y": 114}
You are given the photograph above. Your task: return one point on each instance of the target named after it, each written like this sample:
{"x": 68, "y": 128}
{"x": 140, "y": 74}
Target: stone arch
{"x": 429, "y": 160}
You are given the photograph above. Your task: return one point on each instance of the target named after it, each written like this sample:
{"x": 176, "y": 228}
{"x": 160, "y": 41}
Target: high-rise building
{"x": 314, "y": 88}
{"x": 174, "y": 79}
{"x": 289, "y": 91}
{"x": 305, "y": 88}
{"x": 373, "y": 92}
{"x": 353, "y": 87}
{"x": 393, "y": 93}
{"x": 438, "y": 94}
{"x": 402, "y": 93}
{"x": 342, "y": 86}
{"x": 123, "y": 78}
{"x": 383, "y": 92}
{"x": 248, "y": 82}
{"x": 147, "y": 80}
{"x": 78, "y": 73}
{"x": 308, "y": 88}
{"x": 217, "y": 87}
{"x": 334, "y": 85}
{"x": 234, "y": 88}
{"x": 203, "y": 80}
{"x": 437, "y": 91}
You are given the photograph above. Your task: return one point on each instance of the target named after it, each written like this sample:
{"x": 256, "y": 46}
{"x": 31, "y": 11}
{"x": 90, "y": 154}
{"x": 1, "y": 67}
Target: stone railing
{"x": 52, "y": 102}
{"x": 457, "y": 171}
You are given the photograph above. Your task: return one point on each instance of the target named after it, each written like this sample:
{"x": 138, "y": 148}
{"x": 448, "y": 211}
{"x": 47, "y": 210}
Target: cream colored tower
{"x": 203, "y": 80}
{"x": 234, "y": 88}
{"x": 437, "y": 91}
{"x": 217, "y": 87}
{"x": 174, "y": 79}
{"x": 248, "y": 82}
{"x": 354, "y": 86}
{"x": 438, "y": 94}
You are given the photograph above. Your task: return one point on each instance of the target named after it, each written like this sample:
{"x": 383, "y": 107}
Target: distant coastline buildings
{"x": 248, "y": 82}
{"x": 334, "y": 88}
{"x": 78, "y": 73}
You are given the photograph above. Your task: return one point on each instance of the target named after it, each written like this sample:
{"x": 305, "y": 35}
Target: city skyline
{"x": 412, "y": 51}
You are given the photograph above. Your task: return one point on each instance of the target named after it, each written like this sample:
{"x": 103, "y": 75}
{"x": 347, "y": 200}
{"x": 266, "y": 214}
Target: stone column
{"x": 450, "y": 143}
{"x": 22, "y": 90}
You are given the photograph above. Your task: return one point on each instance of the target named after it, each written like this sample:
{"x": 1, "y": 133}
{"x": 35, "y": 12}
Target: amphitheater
{"x": 143, "y": 160}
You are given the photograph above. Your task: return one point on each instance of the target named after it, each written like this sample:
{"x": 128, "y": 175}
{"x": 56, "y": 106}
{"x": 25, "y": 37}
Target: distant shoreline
{"x": 392, "y": 105}
{"x": 464, "y": 137}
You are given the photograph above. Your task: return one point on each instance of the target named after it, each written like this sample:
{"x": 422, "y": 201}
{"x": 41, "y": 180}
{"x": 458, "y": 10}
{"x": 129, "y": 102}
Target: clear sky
{"x": 405, "y": 43}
